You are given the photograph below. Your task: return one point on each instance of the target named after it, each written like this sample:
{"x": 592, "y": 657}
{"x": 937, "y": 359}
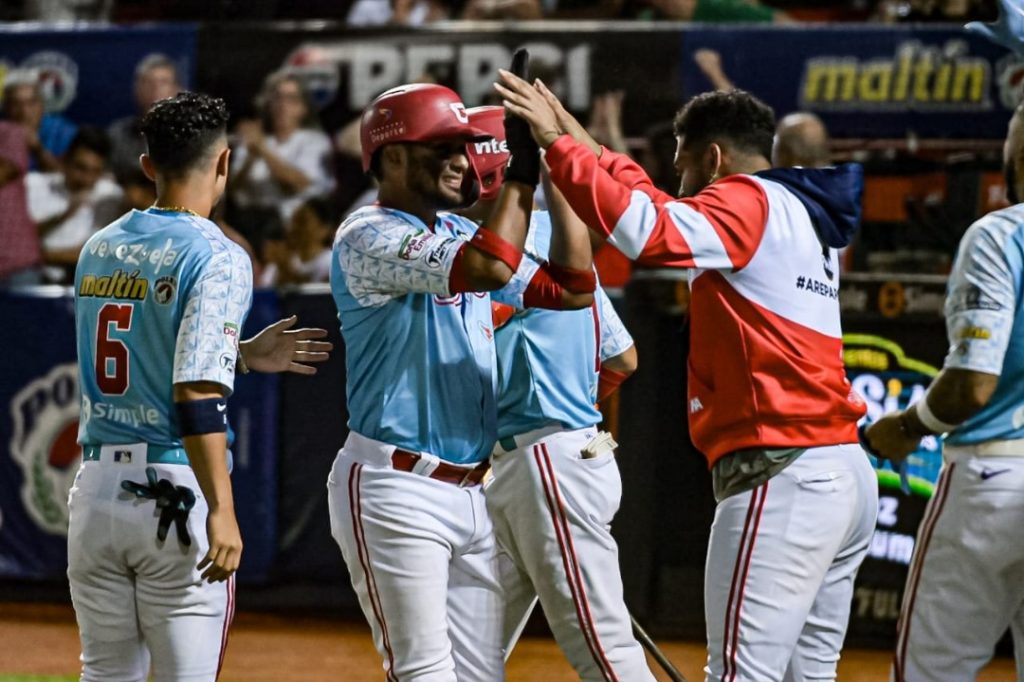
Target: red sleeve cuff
{"x": 560, "y": 149}
{"x": 576, "y": 281}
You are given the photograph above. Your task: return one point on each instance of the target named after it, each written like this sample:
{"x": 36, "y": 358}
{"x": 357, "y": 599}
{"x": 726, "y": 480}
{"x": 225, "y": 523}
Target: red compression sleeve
{"x": 576, "y": 281}
{"x": 457, "y": 283}
{"x": 543, "y": 292}
{"x": 495, "y": 246}
{"x": 608, "y": 382}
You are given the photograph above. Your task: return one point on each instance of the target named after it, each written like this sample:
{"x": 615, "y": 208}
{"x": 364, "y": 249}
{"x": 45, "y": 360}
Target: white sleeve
{"x": 40, "y": 202}
{"x": 615, "y": 338}
{"x": 314, "y": 162}
{"x": 207, "y": 345}
{"x": 980, "y": 301}
{"x": 383, "y": 256}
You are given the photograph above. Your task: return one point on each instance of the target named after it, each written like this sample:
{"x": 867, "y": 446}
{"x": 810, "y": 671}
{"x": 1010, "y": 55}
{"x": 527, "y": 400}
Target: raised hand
{"x": 526, "y": 102}
{"x": 1007, "y": 30}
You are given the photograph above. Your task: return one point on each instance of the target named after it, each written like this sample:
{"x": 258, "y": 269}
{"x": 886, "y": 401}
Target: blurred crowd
{"x": 420, "y": 12}
{"x": 291, "y": 182}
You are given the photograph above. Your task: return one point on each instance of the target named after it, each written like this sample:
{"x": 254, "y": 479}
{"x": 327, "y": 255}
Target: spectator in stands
{"x": 19, "y": 255}
{"x": 708, "y": 11}
{"x": 801, "y": 139}
{"x": 519, "y": 10}
{"x": 710, "y": 64}
{"x": 156, "y": 78}
{"x": 70, "y": 206}
{"x": 139, "y": 191}
{"x": 306, "y": 253}
{"x": 48, "y": 135}
{"x": 279, "y": 160}
{"x": 397, "y": 12}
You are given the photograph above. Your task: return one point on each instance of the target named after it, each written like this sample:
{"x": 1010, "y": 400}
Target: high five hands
{"x": 539, "y": 107}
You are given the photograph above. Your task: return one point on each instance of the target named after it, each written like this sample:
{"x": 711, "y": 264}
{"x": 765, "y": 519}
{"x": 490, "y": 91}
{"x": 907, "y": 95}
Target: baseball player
{"x": 410, "y": 281}
{"x": 966, "y": 583}
{"x": 768, "y": 399}
{"x": 556, "y": 486}
{"x": 160, "y": 296}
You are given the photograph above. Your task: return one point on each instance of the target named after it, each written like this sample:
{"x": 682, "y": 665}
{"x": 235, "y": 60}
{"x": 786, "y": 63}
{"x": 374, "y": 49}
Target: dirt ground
{"x": 42, "y": 640}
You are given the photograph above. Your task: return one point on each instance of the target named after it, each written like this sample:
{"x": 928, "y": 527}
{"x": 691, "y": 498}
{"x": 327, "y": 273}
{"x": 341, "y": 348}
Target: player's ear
{"x": 713, "y": 161}
{"x": 224, "y": 162}
{"x": 147, "y": 167}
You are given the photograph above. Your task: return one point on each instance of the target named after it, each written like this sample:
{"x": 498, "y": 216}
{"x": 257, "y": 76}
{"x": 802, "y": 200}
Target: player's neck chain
{"x": 176, "y": 209}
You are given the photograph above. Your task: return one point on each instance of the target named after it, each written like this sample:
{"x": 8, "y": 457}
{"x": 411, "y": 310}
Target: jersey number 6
{"x": 112, "y": 354}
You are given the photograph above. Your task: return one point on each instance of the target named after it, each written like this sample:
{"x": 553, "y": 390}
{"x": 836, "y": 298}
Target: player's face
{"x": 690, "y": 167}
{"x": 435, "y": 171}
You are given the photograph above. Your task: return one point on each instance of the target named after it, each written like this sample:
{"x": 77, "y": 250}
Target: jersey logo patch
{"x": 45, "y": 416}
{"x": 412, "y": 245}
{"x": 163, "y": 292}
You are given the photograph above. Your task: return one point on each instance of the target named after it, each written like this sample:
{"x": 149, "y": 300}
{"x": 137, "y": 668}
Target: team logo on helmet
{"x": 44, "y": 444}
{"x": 459, "y": 109}
{"x": 385, "y": 112}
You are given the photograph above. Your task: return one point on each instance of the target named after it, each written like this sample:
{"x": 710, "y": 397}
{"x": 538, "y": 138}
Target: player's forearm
{"x": 955, "y": 396}
{"x": 485, "y": 267}
{"x": 570, "y": 238}
{"x": 207, "y": 453}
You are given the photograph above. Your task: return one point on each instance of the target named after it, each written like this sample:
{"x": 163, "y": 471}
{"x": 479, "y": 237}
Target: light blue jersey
{"x": 549, "y": 361}
{"x": 985, "y": 322}
{"x": 160, "y": 298}
{"x": 420, "y": 360}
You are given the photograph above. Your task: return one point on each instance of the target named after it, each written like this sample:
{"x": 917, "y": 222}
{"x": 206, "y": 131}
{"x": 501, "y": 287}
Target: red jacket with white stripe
{"x": 765, "y": 367}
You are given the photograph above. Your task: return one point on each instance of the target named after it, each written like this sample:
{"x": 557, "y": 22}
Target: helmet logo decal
{"x": 459, "y": 109}
{"x": 385, "y": 112}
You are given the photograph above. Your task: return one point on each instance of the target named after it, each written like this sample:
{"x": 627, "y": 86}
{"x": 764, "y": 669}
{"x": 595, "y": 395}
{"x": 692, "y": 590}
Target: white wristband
{"x": 928, "y": 418}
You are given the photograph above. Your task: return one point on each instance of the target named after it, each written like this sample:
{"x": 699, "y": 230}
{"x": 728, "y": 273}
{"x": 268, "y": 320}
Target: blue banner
{"x": 873, "y": 82}
{"x": 88, "y": 74}
{"x": 39, "y": 455}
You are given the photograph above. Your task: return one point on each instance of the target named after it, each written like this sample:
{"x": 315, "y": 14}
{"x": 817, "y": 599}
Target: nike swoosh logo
{"x": 989, "y": 473}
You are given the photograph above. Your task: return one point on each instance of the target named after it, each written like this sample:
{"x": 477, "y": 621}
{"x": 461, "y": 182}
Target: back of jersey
{"x": 160, "y": 298}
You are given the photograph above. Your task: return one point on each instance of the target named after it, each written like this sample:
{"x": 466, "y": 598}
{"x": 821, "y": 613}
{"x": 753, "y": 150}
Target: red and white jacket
{"x": 765, "y": 366}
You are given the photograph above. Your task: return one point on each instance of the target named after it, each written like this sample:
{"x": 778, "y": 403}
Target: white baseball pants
{"x": 423, "y": 562}
{"x": 552, "y": 511}
{"x": 781, "y": 564}
{"x": 137, "y": 600}
{"x": 966, "y": 580}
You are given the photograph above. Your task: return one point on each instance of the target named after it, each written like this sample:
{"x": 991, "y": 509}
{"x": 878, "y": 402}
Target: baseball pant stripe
{"x": 229, "y": 617}
{"x": 928, "y": 526}
{"x": 355, "y": 506}
{"x": 732, "y": 588}
{"x": 576, "y": 564}
{"x": 572, "y": 576}
{"x": 597, "y": 335}
{"x": 758, "y": 498}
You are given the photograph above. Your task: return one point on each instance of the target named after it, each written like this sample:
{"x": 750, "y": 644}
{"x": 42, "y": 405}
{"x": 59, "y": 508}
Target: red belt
{"x": 403, "y": 460}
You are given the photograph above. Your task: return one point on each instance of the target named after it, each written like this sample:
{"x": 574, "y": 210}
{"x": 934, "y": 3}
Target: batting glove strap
{"x": 174, "y": 502}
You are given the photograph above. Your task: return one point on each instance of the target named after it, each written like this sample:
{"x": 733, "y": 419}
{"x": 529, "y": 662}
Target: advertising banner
{"x": 864, "y": 81}
{"x": 88, "y": 73}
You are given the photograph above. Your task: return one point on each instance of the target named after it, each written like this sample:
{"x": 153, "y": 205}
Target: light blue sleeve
{"x": 513, "y": 292}
{"x": 207, "y": 343}
{"x": 383, "y": 256}
{"x": 615, "y": 338}
{"x": 980, "y": 300}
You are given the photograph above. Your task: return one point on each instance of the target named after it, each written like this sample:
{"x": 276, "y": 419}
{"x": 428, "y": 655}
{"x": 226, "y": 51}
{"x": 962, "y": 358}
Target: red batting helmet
{"x": 419, "y": 112}
{"x": 488, "y": 157}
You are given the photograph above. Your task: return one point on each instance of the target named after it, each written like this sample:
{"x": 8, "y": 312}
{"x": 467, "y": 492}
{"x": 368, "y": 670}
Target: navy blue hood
{"x": 832, "y": 197}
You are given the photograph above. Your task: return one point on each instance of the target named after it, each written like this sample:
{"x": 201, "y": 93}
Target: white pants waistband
{"x": 989, "y": 448}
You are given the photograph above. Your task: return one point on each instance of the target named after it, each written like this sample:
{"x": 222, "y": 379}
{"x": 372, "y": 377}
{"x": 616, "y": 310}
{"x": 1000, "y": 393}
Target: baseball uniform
{"x": 966, "y": 580}
{"x": 160, "y": 297}
{"x": 418, "y": 543}
{"x": 768, "y": 399}
{"x": 551, "y": 504}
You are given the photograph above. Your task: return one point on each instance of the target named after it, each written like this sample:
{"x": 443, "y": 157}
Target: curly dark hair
{"x": 181, "y": 131}
{"x": 736, "y": 117}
